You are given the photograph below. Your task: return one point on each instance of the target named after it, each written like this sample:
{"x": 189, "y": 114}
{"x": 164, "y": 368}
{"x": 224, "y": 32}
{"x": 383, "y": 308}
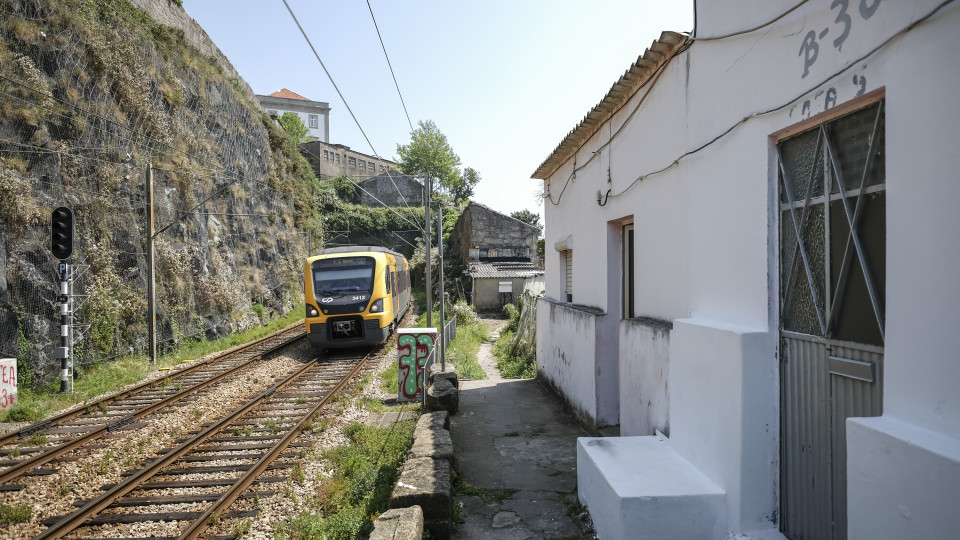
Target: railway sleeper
{"x": 213, "y": 469}
{"x": 178, "y": 499}
{"x": 117, "y": 519}
{"x": 213, "y": 482}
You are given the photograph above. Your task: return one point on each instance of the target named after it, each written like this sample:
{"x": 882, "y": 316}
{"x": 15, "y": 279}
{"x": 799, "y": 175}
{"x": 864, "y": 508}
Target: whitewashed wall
{"x": 707, "y": 246}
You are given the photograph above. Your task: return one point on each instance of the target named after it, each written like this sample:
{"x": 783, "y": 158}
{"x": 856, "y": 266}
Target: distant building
{"x": 391, "y": 188}
{"x": 329, "y": 160}
{"x": 315, "y": 114}
{"x": 499, "y": 252}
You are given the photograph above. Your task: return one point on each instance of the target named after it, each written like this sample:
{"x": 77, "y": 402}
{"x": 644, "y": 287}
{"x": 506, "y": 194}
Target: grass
{"x": 514, "y": 362}
{"x": 95, "y": 380}
{"x": 345, "y": 504}
{"x": 11, "y": 515}
{"x": 462, "y": 352}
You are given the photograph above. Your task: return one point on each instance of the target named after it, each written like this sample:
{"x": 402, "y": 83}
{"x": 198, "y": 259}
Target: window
{"x": 326, "y": 155}
{"x": 383, "y": 169}
{"x": 337, "y": 155}
{"x": 566, "y": 262}
{"x": 628, "y": 272}
{"x": 371, "y": 166}
{"x": 352, "y": 161}
{"x": 363, "y": 165}
{"x": 313, "y": 122}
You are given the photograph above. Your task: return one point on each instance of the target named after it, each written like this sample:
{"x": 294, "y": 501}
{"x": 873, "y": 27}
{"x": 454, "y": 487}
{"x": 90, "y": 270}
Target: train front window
{"x": 334, "y": 277}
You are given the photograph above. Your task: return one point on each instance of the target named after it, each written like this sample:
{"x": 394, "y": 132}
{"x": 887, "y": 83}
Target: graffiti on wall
{"x": 413, "y": 347}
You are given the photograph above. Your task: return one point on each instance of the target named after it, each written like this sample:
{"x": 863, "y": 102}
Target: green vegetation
{"x": 471, "y": 332}
{"x": 514, "y": 360}
{"x": 93, "y": 381}
{"x": 11, "y": 515}
{"x": 294, "y": 127}
{"x": 344, "y": 504}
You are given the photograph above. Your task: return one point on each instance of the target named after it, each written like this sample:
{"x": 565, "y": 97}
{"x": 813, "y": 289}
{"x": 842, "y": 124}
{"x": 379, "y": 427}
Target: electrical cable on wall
{"x": 602, "y": 199}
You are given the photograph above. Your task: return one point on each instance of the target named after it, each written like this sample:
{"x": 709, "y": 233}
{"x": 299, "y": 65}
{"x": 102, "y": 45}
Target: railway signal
{"x": 61, "y": 238}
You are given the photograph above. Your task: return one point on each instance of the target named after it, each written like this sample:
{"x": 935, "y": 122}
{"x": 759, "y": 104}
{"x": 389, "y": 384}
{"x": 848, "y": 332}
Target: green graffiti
{"x": 409, "y": 382}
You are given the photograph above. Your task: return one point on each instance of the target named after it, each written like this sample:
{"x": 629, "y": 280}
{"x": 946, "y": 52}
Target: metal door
{"x": 832, "y": 276}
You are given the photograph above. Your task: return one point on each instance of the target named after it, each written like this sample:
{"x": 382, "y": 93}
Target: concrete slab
{"x": 516, "y": 435}
{"x": 660, "y": 495}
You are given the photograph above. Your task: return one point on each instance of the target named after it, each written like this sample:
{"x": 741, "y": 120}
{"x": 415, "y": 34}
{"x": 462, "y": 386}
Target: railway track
{"x": 219, "y": 472}
{"x": 27, "y": 451}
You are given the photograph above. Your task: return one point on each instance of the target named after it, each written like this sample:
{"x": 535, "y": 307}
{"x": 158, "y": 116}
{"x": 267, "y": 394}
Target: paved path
{"x": 516, "y": 446}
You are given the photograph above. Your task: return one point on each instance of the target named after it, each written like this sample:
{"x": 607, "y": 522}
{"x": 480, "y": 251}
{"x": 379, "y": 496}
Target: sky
{"x": 505, "y": 81}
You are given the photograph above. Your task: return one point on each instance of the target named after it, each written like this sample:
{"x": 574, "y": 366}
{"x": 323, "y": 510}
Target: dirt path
{"x": 485, "y": 356}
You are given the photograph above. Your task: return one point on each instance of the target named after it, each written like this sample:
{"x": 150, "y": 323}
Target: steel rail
{"x": 127, "y": 393}
{"x": 57, "y": 451}
{"x": 244, "y": 482}
{"x": 95, "y": 506}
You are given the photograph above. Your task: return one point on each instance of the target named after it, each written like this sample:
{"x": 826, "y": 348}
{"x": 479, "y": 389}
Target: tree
{"x": 462, "y": 190}
{"x": 429, "y": 153}
{"x": 528, "y": 217}
{"x": 294, "y": 127}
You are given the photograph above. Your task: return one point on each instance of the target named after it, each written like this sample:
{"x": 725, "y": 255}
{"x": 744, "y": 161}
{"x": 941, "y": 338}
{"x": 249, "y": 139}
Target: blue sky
{"x": 504, "y": 80}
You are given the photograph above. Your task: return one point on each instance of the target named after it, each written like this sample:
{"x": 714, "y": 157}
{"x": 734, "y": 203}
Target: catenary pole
{"x": 426, "y": 234}
{"x": 151, "y": 274}
{"x": 443, "y": 320}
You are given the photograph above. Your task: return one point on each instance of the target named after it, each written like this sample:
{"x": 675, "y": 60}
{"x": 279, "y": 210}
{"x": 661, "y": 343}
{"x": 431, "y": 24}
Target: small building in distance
{"x": 391, "y": 188}
{"x": 499, "y": 253}
{"x": 315, "y": 114}
{"x": 330, "y": 160}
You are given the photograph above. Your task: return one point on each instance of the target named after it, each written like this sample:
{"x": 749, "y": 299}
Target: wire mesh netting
{"x": 91, "y": 94}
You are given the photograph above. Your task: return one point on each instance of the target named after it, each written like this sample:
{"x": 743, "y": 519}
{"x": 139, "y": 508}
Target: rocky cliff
{"x": 92, "y": 92}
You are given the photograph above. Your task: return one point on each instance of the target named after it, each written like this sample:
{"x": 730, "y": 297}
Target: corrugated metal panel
{"x": 635, "y": 77}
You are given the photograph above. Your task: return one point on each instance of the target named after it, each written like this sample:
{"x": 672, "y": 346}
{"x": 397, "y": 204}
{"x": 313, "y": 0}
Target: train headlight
{"x": 377, "y": 306}
{"x": 312, "y": 311}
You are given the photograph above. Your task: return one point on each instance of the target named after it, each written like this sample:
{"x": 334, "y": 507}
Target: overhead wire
{"x": 377, "y": 27}
{"x": 743, "y": 120}
{"x": 339, "y": 93}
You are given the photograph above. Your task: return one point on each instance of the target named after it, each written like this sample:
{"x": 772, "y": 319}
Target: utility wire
{"x": 727, "y": 131}
{"x": 337, "y": 88}
{"x": 390, "y": 65}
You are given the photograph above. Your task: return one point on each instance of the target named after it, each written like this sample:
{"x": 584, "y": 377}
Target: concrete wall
{"x": 487, "y": 292}
{"x": 571, "y": 359}
{"x": 707, "y": 246}
{"x": 393, "y": 190}
{"x": 644, "y": 356}
{"x": 492, "y": 231}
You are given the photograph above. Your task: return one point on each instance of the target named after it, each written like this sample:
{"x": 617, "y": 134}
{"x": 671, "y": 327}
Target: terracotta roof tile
{"x": 284, "y": 93}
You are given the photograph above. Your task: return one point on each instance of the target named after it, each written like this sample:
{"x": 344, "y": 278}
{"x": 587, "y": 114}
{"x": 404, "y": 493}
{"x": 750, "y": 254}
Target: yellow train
{"x": 355, "y": 295}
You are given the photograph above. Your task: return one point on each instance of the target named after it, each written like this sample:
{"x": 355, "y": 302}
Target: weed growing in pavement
{"x": 197, "y": 414}
{"x": 272, "y": 426}
{"x": 11, "y": 515}
{"x": 301, "y": 400}
{"x": 14, "y": 453}
{"x": 242, "y": 432}
{"x": 103, "y": 407}
{"x": 539, "y": 430}
{"x": 512, "y": 434}
{"x": 488, "y": 496}
{"x": 214, "y": 519}
{"x": 364, "y": 474}
{"x": 65, "y": 490}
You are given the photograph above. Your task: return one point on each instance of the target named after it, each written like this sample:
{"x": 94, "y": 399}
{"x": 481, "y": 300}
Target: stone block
{"x": 438, "y": 419}
{"x": 425, "y": 482}
{"x": 442, "y": 396}
{"x": 399, "y": 524}
{"x": 450, "y": 374}
{"x": 432, "y": 442}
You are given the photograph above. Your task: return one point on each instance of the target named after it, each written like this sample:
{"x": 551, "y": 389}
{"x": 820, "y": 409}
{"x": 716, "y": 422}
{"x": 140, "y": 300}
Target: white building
{"x": 766, "y": 387}
{"x": 314, "y": 114}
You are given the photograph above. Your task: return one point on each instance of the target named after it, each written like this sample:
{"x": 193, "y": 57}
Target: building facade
{"x": 753, "y": 274}
{"x": 314, "y": 114}
{"x": 330, "y": 160}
